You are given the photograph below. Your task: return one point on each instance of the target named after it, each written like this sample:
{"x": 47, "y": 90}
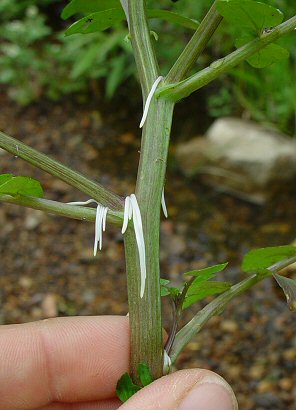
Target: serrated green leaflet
{"x": 19, "y": 185}
{"x": 206, "y": 273}
{"x": 145, "y": 375}
{"x": 126, "y": 388}
{"x": 289, "y": 287}
{"x": 268, "y": 55}
{"x": 259, "y": 260}
{"x": 94, "y": 22}
{"x": 88, "y": 6}
{"x": 203, "y": 290}
{"x": 249, "y": 15}
{"x": 173, "y": 18}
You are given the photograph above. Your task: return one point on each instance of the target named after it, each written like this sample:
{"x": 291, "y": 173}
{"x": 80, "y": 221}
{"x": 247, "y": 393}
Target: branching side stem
{"x": 58, "y": 208}
{"x": 196, "y": 45}
{"x": 184, "y": 88}
{"x": 216, "y": 307}
{"x": 64, "y": 173}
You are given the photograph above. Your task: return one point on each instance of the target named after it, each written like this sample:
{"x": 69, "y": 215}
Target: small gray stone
{"x": 241, "y": 157}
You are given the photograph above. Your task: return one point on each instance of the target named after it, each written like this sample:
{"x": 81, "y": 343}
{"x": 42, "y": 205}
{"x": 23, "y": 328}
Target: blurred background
{"x": 77, "y": 99}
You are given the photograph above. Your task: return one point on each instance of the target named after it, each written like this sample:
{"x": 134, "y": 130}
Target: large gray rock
{"x": 240, "y": 156}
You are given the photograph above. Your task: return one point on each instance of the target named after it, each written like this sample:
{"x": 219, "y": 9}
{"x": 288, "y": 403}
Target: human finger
{"x": 63, "y": 360}
{"x": 185, "y": 390}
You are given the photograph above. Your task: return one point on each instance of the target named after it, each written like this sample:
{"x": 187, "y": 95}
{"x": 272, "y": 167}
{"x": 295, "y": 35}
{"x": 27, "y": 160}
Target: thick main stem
{"x": 145, "y": 314}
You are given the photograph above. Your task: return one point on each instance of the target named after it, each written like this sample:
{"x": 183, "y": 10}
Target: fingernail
{"x": 209, "y": 395}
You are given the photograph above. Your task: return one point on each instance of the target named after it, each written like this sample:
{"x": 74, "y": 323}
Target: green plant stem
{"x": 180, "y": 90}
{"x": 145, "y": 314}
{"x": 195, "y": 46}
{"x": 66, "y": 174}
{"x": 58, "y": 208}
{"x": 141, "y": 41}
{"x": 216, "y": 307}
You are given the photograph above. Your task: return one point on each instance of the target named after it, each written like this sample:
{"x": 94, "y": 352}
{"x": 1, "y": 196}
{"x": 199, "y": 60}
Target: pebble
{"x": 229, "y": 326}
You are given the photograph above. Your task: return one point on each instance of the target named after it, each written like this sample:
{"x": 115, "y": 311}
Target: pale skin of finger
{"x": 64, "y": 360}
{"x": 102, "y": 405}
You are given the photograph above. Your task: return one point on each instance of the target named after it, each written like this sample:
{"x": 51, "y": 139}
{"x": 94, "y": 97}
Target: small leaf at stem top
{"x": 259, "y": 260}
{"x": 20, "y": 185}
{"x": 289, "y": 287}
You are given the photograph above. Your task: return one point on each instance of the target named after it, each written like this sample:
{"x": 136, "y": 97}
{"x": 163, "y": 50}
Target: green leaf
{"x": 145, "y": 375}
{"x": 164, "y": 282}
{"x": 166, "y": 290}
{"x": 173, "y": 17}
{"x": 259, "y": 260}
{"x": 126, "y": 388}
{"x": 289, "y": 287}
{"x": 88, "y": 6}
{"x": 96, "y": 22}
{"x": 249, "y": 15}
{"x": 12, "y": 185}
{"x": 203, "y": 290}
{"x": 206, "y": 273}
{"x": 268, "y": 55}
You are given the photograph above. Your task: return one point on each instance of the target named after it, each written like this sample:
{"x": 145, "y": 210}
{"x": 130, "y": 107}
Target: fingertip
{"x": 192, "y": 389}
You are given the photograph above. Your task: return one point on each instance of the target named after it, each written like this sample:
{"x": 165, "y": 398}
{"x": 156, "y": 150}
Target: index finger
{"x": 62, "y": 360}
